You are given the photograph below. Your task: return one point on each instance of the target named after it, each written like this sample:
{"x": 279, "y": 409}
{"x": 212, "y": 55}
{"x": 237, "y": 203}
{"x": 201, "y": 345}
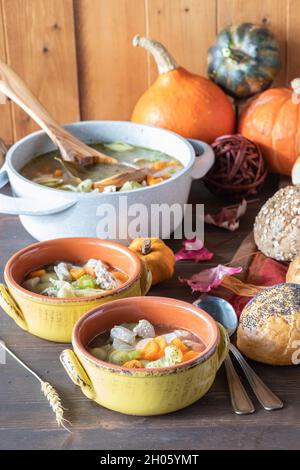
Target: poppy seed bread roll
{"x": 269, "y": 326}
{"x": 277, "y": 225}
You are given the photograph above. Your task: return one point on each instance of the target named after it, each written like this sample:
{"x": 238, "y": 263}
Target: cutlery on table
{"x": 223, "y": 312}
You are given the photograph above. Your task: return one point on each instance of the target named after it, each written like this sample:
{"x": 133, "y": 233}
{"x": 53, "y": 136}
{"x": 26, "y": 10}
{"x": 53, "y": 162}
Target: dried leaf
{"x": 263, "y": 272}
{"x": 210, "y": 278}
{"x": 266, "y": 271}
{"x": 193, "y": 250}
{"x": 241, "y": 288}
{"x": 228, "y": 217}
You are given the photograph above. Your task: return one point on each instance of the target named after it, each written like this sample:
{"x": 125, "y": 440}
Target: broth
{"x": 137, "y": 345}
{"x": 47, "y": 169}
{"x": 68, "y": 280}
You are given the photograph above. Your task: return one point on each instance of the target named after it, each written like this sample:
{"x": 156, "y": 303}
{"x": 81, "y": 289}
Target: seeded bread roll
{"x": 293, "y": 273}
{"x": 269, "y": 327}
{"x": 277, "y": 225}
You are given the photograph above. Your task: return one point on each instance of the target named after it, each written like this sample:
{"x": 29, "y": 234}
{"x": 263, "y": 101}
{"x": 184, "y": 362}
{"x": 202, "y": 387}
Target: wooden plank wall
{"x": 76, "y": 55}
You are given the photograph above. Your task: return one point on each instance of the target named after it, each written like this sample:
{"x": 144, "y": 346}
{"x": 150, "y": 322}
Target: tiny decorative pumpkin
{"x": 159, "y": 258}
{"x": 272, "y": 121}
{"x": 244, "y": 60}
{"x": 183, "y": 102}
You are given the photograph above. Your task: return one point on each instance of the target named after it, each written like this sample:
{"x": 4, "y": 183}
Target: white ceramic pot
{"x": 48, "y": 213}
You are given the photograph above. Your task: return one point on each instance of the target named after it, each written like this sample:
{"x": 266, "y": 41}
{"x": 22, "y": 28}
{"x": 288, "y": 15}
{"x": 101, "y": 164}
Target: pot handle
{"x": 77, "y": 373}
{"x": 11, "y": 308}
{"x": 205, "y": 158}
{"x": 3, "y": 176}
{"x": 223, "y": 347}
{"x": 146, "y": 278}
{"x": 29, "y": 206}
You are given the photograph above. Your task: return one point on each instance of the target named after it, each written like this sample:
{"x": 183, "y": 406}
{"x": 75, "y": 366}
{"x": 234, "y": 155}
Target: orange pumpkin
{"x": 273, "y": 122}
{"x": 183, "y": 102}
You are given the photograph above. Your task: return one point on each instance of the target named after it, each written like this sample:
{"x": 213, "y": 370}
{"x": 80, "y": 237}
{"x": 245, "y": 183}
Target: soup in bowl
{"x": 161, "y": 388}
{"x": 47, "y": 212}
{"x": 50, "y": 170}
{"x": 50, "y": 309}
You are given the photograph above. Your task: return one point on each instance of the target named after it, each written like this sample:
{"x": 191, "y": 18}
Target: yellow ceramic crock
{"x": 51, "y": 318}
{"x": 145, "y": 391}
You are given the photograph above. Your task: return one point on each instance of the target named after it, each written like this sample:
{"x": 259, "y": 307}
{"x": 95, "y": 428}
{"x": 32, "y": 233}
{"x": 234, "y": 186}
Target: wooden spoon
{"x": 121, "y": 178}
{"x": 71, "y": 149}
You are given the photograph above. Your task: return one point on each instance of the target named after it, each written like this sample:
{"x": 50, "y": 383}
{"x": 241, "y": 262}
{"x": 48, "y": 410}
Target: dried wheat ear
{"x": 47, "y": 389}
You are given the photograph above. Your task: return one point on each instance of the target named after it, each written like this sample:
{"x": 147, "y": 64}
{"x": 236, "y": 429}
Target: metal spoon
{"x": 223, "y": 312}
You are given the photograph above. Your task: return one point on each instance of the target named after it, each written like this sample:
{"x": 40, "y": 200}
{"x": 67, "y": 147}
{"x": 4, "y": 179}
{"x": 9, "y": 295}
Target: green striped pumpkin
{"x": 244, "y": 60}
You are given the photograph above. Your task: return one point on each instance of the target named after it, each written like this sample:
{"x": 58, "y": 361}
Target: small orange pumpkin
{"x": 272, "y": 121}
{"x": 159, "y": 258}
{"x": 183, "y": 102}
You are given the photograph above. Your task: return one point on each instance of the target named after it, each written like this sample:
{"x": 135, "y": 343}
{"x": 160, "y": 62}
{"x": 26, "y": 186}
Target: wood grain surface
{"x": 112, "y": 75}
{"x": 40, "y": 47}
{"x": 27, "y": 422}
{"x": 78, "y": 58}
{"x": 174, "y": 24}
{"x": 6, "y": 133}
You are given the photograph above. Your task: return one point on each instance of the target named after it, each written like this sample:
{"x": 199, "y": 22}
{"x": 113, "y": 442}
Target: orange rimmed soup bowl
{"x": 145, "y": 391}
{"x": 53, "y": 318}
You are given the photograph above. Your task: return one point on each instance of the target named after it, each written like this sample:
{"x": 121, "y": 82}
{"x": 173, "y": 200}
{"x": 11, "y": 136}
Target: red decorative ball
{"x": 239, "y": 168}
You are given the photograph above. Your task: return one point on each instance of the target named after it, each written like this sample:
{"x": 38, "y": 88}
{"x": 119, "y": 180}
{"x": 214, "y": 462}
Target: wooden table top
{"x": 26, "y": 421}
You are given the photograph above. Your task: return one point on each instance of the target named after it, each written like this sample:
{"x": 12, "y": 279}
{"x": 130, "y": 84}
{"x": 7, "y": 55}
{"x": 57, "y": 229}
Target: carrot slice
{"x": 160, "y": 165}
{"x": 180, "y": 345}
{"x": 122, "y": 277}
{"x": 151, "y": 351}
{"x": 76, "y": 273}
{"x": 162, "y": 343}
{"x": 57, "y": 173}
{"x": 37, "y": 273}
{"x": 89, "y": 270}
{"x": 189, "y": 355}
{"x": 134, "y": 364}
{"x": 151, "y": 180}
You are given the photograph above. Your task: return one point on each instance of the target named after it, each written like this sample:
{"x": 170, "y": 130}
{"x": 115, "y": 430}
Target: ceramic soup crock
{"x": 141, "y": 391}
{"x": 54, "y": 318}
{"x": 48, "y": 213}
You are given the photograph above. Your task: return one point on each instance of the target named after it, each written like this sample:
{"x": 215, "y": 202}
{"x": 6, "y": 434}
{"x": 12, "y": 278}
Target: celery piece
{"x": 118, "y": 146}
{"x": 130, "y": 185}
{"x": 87, "y": 292}
{"x": 85, "y": 186}
{"x": 101, "y": 352}
{"x": 85, "y": 282}
{"x": 135, "y": 354}
{"x": 118, "y": 357}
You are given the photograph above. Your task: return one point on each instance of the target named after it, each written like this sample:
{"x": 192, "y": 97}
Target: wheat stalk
{"x": 47, "y": 389}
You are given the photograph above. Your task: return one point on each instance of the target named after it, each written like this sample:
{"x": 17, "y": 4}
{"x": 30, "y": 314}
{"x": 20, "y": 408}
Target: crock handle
{"x": 223, "y": 347}
{"x": 11, "y": 308}
{"x": 146, "y": 279}
{"x": 77, "y": 373}
{"x": 205, "y": 159}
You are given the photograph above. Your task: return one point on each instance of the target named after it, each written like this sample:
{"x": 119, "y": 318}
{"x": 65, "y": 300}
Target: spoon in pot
{"x": 223, "y": 312}
{"x": 71, "y": 149}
